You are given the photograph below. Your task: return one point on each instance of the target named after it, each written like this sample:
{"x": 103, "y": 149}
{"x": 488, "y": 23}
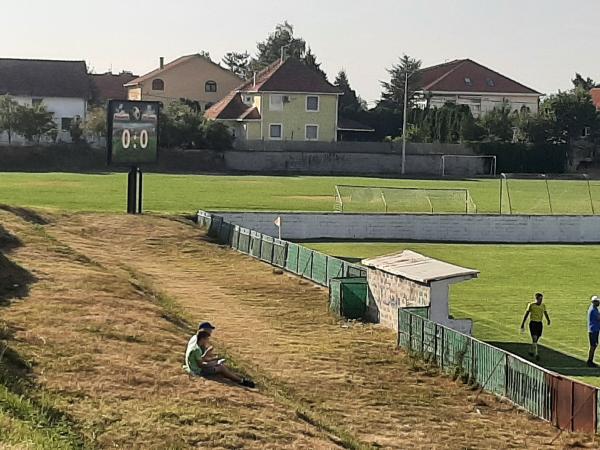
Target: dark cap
{"x": 206, "y": 326}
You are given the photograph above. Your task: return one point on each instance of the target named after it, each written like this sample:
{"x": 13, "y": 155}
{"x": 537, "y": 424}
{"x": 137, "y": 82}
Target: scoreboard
{"x": 132, "y": 136}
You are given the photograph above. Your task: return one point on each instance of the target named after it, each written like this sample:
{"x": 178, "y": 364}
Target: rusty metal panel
{"x": 584, "y": 408}
{"x": 562, "y": 402}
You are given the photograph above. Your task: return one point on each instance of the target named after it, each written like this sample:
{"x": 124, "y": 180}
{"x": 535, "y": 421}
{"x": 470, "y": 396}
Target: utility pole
{"x": 404, "y": 123}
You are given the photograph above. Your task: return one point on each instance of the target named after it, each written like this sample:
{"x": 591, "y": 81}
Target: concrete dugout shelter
{"x": 412, "y": 280}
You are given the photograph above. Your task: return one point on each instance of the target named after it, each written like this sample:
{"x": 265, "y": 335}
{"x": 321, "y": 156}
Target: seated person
{"x": 206, "y": 326}
{"x": 200, "y": 361}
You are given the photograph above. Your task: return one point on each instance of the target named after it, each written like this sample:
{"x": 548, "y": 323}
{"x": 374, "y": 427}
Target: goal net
{"x": 549, "y": 194}
{"x": 468, "y": 165}
{"x": 375, "y": 199}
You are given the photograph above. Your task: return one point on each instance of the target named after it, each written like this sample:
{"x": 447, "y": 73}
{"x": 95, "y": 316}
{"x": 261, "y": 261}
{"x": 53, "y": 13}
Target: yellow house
{"x": 286, "y": 101}
{"x": 193, "y": 77}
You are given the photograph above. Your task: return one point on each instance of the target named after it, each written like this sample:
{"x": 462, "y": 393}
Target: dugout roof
{"x": 420, "y": 268}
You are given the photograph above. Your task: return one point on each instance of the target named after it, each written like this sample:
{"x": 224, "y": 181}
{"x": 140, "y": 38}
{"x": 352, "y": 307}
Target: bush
{"x": 526, "y": 158}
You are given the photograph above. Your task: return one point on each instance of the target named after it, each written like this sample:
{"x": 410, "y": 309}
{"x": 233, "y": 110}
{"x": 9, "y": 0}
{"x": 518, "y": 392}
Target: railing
{"x": 568, "y": 404}
{"x": 310, "y": 264}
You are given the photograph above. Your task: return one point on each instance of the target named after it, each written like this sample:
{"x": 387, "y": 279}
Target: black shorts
{"x": 594, "y": 338}
{"x": 536, "y": 329}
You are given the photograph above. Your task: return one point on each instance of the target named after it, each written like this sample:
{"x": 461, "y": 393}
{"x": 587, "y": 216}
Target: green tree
{"x": 217, "y": 135}
{"x": 270, "y": 50}
{"x": 392, "y": 96}
{"x": 7, "y": 115}
{"x": 76, "y": 130}
{"x": 498, "y": 124}
{"x": 95, "y": 122}
{"x": 349, "y": 103}
{"x": 33, "y": 122}
{"x": 584, "y": 83}
{"x": 238, "y": 63}
{"x": 570, "y": 113}
{"x": 310, "y": 60}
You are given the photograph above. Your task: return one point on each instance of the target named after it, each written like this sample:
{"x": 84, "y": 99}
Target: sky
{"x": 539, "y": 43}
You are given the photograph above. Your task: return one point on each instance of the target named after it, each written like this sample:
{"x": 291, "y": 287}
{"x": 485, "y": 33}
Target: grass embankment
{"x": 510, "y": 275}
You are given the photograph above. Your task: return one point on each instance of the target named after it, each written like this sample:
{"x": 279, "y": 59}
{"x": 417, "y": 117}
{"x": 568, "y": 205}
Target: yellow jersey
{"x": 536, "y": 312}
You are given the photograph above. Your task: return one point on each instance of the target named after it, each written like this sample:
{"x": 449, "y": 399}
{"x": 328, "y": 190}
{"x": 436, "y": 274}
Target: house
{"x": 63, "y": 87}
{"x": 192, "y": 77}
{"x": 286, "y": 101}
{"x": 466, "y": 82}
{"x": 411, "y": 280}
{"x": 595, "y": 93}
{"x": 110, "y": 86}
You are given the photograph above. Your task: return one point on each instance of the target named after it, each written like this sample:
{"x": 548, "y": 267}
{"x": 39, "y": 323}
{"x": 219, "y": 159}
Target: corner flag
{"x": 277, "y": 223}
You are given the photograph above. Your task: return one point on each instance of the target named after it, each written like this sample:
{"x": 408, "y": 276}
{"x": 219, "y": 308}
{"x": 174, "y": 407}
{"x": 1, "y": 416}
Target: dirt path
{"x": 349, "y": 377}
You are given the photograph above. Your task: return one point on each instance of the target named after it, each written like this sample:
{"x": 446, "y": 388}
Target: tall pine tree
{"x": 238, "y": 63}
{"x": 349, "y": 102}
{"x": 392, "y": 96}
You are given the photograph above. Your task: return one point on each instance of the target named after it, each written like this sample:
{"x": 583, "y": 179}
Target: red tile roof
{"x": 292, "y": 75}
{"x": 232, "y": 108}
{"x": 44, "y": 78}
{"x": 595, "y": 93}
{"x": 174, "y": 63}
{"x": 465, "y": 75}
{"x": 108, "y": 86}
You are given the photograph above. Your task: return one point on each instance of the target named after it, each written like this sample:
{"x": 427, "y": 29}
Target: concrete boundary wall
{"x": 424, "y": 227}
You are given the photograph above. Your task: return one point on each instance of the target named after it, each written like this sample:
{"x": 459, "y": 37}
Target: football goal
{"x": 375, "y": 199}
{"x": 564, "y": 194}
{"x": 468, "y": 165}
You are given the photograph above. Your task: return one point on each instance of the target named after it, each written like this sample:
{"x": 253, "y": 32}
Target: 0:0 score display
{"x": 142, "y": 138}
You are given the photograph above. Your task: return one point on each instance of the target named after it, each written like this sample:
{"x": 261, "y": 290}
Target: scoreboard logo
{"x": 132, "y": 132}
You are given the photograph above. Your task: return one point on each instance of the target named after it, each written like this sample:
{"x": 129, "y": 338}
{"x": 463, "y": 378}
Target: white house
{"x": 62, "y": 86}
{"x": 466, "y": 82}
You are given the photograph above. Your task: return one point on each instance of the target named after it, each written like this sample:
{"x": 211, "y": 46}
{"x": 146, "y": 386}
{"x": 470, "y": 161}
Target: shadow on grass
{"x": 14, "y": 279}
{"x": 28, "y": 215}
{"x": 551, "y": 359}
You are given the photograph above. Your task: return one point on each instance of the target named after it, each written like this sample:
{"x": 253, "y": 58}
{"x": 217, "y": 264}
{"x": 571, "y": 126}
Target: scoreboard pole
{"x": 134, "y": 191}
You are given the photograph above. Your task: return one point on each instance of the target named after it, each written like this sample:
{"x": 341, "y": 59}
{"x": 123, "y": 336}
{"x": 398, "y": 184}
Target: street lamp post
{"x": 404, "y": 123}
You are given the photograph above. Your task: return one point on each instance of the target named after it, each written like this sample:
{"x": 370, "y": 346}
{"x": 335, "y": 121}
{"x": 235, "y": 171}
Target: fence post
{"x": 443, "y": 336}
{"x": 272, "y": 252}
{"x": 435, "y": 346}
{"x": 410, "y": 333}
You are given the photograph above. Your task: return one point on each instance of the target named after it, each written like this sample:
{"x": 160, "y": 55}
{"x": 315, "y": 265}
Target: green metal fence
{"x": 307, "y": 263}
{"x": 537, "y": 390}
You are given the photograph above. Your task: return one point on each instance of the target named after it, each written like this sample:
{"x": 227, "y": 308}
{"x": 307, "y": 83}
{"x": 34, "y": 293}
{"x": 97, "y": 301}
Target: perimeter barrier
{"x": 567, "y": 404}
{"x": 297, "y": 259}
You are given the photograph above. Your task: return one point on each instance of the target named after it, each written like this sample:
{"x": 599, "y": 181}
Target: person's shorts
{"x": 536, "y": 329}
{"x": 594, "y": 338}
{"x": 210, "y": 370}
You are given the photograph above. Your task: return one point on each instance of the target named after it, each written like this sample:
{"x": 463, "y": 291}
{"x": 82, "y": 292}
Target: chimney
{"x": 162, "y": 62}
{"x": 254, "y": 79}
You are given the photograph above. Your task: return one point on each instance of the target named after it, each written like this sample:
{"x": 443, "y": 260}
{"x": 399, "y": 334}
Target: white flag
{"x": 278, "y": 222}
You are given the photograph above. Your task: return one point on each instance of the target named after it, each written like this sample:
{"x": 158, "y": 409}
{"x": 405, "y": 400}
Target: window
{"x": 490, "y": 82}
{"x": 36, "y": 101}
{"x": 312, "y": 103}
{"x": 158, "y": 85}
{"x": 276, "y": 131}
{"x": 468, "y": 81}
{"x": 65, "y": 123}
{"x": 312, "y": 132}
{"x": 210, "y": 86}
{"x": 276, "y": 102}
{"x": 586, "y": 132}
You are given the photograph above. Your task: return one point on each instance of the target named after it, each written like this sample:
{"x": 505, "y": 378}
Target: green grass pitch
{"x": 185, "y": 193}
{"x": 510, "y": 276}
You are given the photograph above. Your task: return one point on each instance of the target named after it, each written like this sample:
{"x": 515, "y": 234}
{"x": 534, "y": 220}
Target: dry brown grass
{"x": 350, "y": 378}
{"x": 107, "y": 353}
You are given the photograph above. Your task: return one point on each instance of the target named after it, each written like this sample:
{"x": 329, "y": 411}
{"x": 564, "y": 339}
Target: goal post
{"x": 379, "y": 199}
{"x": 548, "y": 194}
{"x": 468, "y": 165}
